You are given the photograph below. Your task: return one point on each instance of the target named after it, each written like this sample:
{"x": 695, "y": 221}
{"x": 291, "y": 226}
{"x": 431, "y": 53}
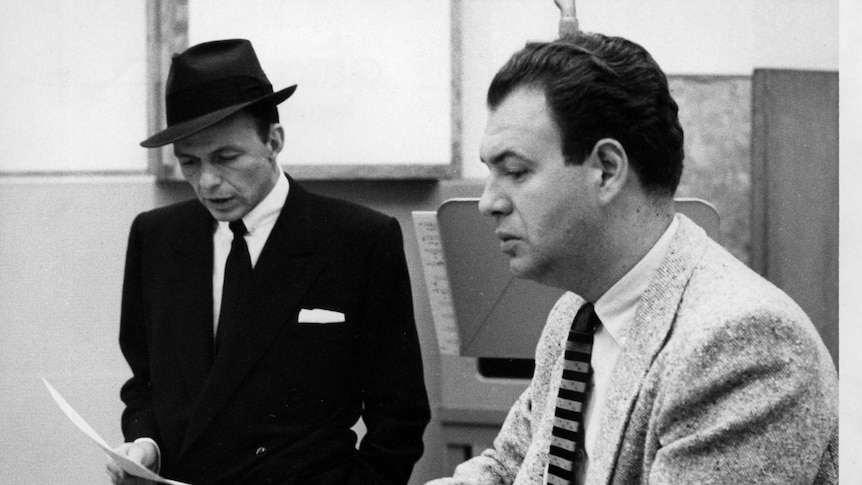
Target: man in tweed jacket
{"x": 702, "y": 371}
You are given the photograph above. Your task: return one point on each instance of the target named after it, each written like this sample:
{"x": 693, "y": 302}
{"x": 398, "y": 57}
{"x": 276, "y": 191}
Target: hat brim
{"x": 190, "y": 127}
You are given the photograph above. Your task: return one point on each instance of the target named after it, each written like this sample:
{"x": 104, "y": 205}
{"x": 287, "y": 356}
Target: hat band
{"x": 206, "y": 98}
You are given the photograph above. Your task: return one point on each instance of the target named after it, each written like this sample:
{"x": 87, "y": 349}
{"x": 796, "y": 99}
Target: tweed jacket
{"x": 723, "y": 379}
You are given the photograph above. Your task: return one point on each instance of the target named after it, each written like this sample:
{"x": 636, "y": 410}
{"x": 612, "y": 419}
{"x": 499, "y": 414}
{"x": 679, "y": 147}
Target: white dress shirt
{"x": 616, "y": 309}
{"x": 259, "y": 222}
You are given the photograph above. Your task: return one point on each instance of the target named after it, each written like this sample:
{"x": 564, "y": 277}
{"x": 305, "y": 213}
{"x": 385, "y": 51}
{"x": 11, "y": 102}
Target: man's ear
{"x": 610, "y": 158}
{"x": 276, "y": 139}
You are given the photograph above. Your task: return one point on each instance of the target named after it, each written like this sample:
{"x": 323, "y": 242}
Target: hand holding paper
{"x": 144, "y": 453}
{"x": 121, "y": 461}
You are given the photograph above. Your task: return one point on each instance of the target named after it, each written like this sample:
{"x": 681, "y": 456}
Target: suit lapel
{"x": 190, "y": 314}
{"x": 286, "y": 268}
{"x": 653, "y": 322}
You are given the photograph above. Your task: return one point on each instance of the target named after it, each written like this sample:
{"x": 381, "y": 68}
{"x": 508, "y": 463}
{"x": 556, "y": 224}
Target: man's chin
{"x": 224, "y": 215}
{"x": 527, "y": 269}
{"x": 522, "y": 269}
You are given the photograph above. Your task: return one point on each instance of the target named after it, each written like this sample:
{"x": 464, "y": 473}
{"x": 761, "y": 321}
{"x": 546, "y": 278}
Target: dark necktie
{"x": 567, "y": 436}
{"x": 237, "y": 280}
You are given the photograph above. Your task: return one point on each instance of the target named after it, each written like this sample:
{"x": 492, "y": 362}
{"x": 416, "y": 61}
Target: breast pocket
{"x": 312, "y": 370}
{"x": 319, "y": 316}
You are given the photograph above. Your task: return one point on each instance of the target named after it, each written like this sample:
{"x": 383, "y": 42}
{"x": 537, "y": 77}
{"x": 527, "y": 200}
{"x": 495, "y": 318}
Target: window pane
{"x": 374, "y": 76}
{"x": 73, "y": 89}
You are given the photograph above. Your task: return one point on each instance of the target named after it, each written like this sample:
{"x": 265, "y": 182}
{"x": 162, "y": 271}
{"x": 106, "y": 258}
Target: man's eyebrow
{"x": 498, "y": 158}
{"x": 181, "y": 154}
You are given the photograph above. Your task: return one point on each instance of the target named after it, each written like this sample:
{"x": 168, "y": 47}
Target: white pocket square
{"x": 319, "y": 315}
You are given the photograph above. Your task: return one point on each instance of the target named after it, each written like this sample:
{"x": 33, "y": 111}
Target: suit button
{"x": 580, "y": 454}
{"x": 260, "y": 451}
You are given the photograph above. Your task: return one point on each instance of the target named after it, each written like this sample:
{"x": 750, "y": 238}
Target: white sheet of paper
{"x": 126, "y": 464}
{"x": 437, "y": 281}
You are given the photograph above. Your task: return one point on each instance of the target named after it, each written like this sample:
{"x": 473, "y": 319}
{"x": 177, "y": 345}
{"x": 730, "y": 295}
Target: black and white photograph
{"x": 430, "y": 242}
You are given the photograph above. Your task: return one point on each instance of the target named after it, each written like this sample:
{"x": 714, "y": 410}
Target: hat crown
{"x": 209, "y": 82}
{"x": 211, "y": 76}
{"x": 210, "y": 61}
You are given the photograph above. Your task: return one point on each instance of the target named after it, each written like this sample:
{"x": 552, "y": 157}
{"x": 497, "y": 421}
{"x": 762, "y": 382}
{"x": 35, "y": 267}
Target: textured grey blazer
{"x": 723, "y": 379}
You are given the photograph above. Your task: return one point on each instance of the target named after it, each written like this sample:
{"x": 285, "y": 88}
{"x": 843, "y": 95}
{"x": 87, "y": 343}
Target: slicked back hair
{"x": 603, "y": 87}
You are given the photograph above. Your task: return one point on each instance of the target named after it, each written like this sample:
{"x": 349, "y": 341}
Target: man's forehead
{"x": 523, "y": 118}
{"x": 522, "y": 102}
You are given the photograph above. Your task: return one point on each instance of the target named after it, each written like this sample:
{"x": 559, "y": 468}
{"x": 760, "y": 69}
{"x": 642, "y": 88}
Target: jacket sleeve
{"x": 499, "y": 465}
{"x": 395, "y": 402}
{"x": 519, "y": 450}
{"x": 753, "y": 401}
{"x": 137, "y": 418}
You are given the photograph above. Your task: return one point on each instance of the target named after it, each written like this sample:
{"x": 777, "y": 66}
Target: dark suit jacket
{"x": 277, "y": 403}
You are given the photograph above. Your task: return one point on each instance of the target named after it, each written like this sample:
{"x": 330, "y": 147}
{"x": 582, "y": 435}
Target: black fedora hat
{"x": 209, "y": 82}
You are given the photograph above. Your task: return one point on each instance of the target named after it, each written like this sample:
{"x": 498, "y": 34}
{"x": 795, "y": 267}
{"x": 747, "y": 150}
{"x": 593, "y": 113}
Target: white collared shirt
{"x": 259, "y": 222}
{"x": 616, "y": 309}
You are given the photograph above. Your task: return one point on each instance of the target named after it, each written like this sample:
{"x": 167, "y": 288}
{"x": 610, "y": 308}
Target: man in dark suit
{"x": 253, "y": 356}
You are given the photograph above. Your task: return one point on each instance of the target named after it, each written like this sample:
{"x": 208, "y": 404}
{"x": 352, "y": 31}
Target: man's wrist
{"x": 158, "y": 461}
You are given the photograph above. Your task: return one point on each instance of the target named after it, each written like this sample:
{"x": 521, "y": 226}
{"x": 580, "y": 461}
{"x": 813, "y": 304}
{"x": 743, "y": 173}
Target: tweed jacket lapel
{"x": 286, "y": 267}
{"x": 653, "y": 322}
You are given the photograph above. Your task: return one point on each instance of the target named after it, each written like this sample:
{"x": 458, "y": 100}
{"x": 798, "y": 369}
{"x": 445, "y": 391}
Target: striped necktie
{"x": 567, "y": 437}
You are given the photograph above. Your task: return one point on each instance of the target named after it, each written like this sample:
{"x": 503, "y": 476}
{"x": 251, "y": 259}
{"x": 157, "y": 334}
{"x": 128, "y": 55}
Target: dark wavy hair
{"x": 603, "y": 87}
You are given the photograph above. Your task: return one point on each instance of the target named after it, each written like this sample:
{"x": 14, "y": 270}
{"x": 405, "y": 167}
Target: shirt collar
{"x": 617, "y": 307}
{"x": 267, "y": 211}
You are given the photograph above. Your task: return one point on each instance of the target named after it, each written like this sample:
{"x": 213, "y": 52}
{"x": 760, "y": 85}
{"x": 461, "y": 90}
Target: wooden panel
{"x": 167, "y": 27}
{"x": 795, "y": 190}
{"x": 715, "y": 112}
